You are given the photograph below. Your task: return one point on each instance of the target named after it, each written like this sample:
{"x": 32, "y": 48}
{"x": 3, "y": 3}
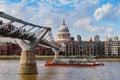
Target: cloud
{"x": 102, "y": 11}
{"x": 3, "y": 5}
{"x": 108, "y": 32}
{"x": 82, "y": 22}
{"x": 84, "y": 3}
{"x": 49, "y": 22}
{"x": 66, "y": 2}
{"x": 86, "y": 23}
{"x": 44, "y": 9}
{"x": 50, "y": 12}
{"x": 107, "y": 11}
{"x": 115, "y": 13}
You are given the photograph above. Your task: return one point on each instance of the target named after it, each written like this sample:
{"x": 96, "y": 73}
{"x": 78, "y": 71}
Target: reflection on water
{"x": 110, "y": 71}
{"x": 27, "y": 77}
{"x": 48, "y": 74}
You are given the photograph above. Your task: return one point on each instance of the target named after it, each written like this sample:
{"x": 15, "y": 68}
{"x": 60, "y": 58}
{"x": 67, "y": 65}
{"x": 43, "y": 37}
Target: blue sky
{"x": 83, "y": 17}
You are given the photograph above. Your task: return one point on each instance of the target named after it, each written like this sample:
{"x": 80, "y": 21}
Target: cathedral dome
{"x": 63, "y": 33}
{"x": 63, "y": 27}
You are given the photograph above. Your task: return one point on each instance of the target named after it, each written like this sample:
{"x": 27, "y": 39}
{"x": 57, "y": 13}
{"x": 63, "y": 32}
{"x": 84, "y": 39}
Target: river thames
{"x": 110, "y": 71}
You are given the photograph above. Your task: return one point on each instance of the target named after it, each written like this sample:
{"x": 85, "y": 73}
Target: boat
{"x": 73, "y": 62}
{"x": 76, "y": 61}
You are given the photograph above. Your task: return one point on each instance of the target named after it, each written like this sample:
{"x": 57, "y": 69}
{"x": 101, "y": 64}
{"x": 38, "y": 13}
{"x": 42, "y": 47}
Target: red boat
{"x": 73, "y": 62}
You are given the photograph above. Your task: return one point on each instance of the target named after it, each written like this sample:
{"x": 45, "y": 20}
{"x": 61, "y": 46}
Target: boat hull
{"x": 74, "y": 64}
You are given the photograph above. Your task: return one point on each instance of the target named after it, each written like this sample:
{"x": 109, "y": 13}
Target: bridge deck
{"x": 8, "y": 29}
{"x": 5, "y": 33}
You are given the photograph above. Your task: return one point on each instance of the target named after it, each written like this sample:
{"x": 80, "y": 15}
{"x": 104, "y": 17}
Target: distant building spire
{"x": 90, "y": 40}
{"x": 63, "y": 23}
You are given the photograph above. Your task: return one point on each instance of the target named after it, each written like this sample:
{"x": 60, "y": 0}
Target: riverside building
{"x": 112, "y": 46}
{"x": 73, "y": 46}
{"x": 78, "y": 47}
{"x": 93, "y": 48}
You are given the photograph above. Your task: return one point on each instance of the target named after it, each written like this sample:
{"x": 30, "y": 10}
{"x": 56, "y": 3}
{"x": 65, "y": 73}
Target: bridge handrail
{"x": 11, "y": 18}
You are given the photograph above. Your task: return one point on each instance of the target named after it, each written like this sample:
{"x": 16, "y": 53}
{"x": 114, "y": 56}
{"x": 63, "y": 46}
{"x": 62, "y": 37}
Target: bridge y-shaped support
{"x": 27, "y": 61}
{"x": 57, "y": 51}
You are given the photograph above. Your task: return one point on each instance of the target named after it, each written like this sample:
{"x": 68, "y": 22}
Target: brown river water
{"x": 110, "y": 71}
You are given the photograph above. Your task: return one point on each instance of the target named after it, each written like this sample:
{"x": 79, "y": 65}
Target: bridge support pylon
{"x": 28, "y": 63}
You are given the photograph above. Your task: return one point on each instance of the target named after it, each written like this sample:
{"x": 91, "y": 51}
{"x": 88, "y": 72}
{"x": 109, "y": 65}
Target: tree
{"x": 101, "y": 54}
{"x": 47, "y": 53}
{"x": 42, "y": 53}
{"x": 2, "y": 51}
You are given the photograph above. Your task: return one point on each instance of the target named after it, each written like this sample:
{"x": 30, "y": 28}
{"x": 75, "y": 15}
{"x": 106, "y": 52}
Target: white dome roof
{"x": 64, "y": 28}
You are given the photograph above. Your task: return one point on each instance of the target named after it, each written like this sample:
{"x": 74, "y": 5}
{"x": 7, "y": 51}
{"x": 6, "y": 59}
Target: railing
{"x": 7, "y": 29}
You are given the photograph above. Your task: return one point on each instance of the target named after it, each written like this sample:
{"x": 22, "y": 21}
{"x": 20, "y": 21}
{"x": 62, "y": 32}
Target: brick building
{"x": 8, "y": 48}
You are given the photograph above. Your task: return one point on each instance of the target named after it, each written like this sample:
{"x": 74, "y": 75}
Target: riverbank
{"x": 108, "y": 59}
{"x": 18, "y": 57}
{"x": 51, "y": 58}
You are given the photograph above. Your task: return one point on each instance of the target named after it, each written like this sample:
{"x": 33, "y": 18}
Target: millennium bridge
{"x": 28, "y": 36}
